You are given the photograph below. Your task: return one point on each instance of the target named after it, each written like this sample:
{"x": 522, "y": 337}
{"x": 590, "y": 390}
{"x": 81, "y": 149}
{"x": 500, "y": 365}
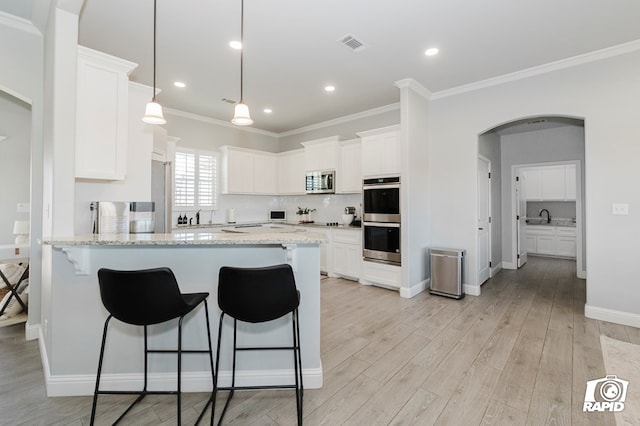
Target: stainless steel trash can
{"x": 446, "y": 272}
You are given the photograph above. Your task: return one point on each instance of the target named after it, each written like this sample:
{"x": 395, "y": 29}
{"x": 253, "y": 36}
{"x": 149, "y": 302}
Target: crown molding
{"x": 202, "y": 118}
{"x": 19, "y": 23}
{"x": 585, "y": 58}
{"x": 415, "y": 86}
{"x": 344, "y": 119}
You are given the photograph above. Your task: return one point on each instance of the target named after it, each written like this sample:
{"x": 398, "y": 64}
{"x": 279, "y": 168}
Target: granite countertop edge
{"x": 186, "y": 239}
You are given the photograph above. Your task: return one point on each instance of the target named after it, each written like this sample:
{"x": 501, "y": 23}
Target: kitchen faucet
{"x": 198, "y": 217}
{"x": 548, "y": 214}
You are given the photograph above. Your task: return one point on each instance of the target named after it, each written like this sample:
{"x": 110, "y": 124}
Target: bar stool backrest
{"x": 257, "y": 294}
{"x": 141, "y": 297}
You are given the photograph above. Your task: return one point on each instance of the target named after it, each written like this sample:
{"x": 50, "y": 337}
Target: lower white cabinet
{"x": 551, "y": 240}
{"x": 347, "y": 253}
{"x": 381, "y": 274}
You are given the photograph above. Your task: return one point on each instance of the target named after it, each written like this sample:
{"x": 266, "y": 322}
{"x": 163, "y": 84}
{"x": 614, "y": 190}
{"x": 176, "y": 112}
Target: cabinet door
{"x": 545, "y": 244}
{"x": 354, "y": 260}
{"x": 237, "y": 172}
{"x": 265, "y": 174}
{"x": 553, "y": 183}
{"x": 291, "y": 172}
{"x": 532, "y": 183}
{"x": 566, "y": 246}
{"x": 340, "y": 254}
{"x": 321, "y": 154}
{"x": 570, "y": 181}
{"x": 349, "y": 172}
{"x": 530, "y": 243}
{"x": 381, "y": 154}
{"x": 101, "y": 116}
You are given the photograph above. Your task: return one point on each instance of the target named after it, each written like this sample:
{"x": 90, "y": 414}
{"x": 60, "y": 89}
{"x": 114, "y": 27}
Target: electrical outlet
{"x": 620, "y": 209}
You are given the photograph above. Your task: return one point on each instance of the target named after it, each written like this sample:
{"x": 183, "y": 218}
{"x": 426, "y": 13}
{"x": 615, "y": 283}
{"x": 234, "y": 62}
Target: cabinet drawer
{"x": 381, "y": 274}
{"x": 540, "y": 230}
{"x": 566, "y": 232}
{"x": 347, "y": 236}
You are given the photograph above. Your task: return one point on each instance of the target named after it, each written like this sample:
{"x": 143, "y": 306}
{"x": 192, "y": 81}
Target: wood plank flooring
{"x": 518, "y": 355}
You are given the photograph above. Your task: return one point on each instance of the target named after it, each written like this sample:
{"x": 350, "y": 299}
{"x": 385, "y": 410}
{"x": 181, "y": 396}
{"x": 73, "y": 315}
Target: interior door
{"x": 521, "y": 219}
{"x": 484, "y": 219}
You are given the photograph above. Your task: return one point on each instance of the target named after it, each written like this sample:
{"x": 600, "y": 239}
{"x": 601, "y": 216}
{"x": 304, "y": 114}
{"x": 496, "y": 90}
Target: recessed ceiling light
{"x": 235, "y": 44}
{"x": 179, "y": 84}
{"x": 267, "y": 110}
{"x": 329, "y": 88}
{"x": 432, "y": 51}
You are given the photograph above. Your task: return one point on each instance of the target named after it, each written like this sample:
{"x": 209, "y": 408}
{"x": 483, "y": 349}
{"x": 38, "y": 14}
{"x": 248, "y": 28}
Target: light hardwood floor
{"x": 519, "y": 354}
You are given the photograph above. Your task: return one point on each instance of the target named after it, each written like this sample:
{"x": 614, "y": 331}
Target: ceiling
{"x": 291, "y": 50}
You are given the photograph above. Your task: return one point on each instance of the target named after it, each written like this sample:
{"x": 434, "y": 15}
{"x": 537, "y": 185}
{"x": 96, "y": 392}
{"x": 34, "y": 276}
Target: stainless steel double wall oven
{"x": 381, "y": 220}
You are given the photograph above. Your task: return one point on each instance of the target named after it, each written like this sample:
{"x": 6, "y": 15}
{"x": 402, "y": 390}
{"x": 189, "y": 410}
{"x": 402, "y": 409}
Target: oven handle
{"x": 382, "y": 224}
{"x": 389, "y": 186}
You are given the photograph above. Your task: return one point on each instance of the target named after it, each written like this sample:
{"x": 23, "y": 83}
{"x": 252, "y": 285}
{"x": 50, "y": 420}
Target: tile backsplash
{"x": 557, "y": 209}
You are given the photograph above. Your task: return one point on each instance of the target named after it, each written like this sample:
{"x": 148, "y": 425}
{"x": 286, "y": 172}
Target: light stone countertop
{"x": 188, "y": 238}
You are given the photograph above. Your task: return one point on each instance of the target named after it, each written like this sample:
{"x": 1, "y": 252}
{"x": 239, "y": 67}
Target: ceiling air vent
{"x": 229, "y": 101}
{"x": 350, "y": 42}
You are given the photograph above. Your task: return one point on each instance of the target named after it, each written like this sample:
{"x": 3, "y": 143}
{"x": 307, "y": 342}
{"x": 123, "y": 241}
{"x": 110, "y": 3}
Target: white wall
{"x": 15, "y": 161}
{"x": 607, "y": 95}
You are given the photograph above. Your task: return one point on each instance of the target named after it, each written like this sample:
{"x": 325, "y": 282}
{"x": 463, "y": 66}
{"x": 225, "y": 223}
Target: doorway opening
{"x": 555, "y": 145}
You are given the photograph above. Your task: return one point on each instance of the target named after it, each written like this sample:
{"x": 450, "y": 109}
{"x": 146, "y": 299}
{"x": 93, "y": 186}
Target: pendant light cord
{"x": 154, "y": 50}
{"x": 242, "y": 49}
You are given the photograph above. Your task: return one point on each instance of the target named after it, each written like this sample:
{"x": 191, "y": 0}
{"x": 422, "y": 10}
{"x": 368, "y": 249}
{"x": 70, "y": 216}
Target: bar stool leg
{"x": 179, "y": 392}
{"x": 95, "y": 394}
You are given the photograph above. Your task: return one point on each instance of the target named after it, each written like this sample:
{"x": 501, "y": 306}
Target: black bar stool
{"x": 146, "y": 297}
{"x": 258, "y": 295}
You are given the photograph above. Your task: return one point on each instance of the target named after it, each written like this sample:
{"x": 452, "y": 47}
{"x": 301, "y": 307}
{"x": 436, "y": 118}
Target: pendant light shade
{"x": 241, "y": 115}
{"x": 153, "y": 112}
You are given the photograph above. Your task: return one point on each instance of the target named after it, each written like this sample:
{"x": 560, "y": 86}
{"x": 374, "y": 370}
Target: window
{"x": 196, "y": 179}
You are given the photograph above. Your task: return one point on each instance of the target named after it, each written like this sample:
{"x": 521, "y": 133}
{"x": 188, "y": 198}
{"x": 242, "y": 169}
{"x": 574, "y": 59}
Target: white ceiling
{"x": 291, "y": 51}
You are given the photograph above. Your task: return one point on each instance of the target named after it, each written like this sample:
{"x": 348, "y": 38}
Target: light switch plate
{"x": 620, "y": 209}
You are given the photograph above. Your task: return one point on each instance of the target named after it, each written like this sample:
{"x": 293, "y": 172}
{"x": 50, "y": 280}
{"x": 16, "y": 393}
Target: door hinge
{"x": 517, "y": 217}
{"x": 489, "y": 219}
{"x": 489, "y": 175}
{"x": 517, "y": 178}
{"x": 489, "y": 264}
{"x": 518, "y": 256}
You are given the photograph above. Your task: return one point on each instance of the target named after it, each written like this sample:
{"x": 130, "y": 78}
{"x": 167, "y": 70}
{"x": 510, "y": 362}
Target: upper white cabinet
{"x": 557, "y": 182}
{"x": 381, "y": 151}
{"x": 101, "y": 115}
{"x": 245, "y": 171}
{"x": 349, "y": 171}
{"x": 291, "y": 172}
{"x": 321, "y": 154}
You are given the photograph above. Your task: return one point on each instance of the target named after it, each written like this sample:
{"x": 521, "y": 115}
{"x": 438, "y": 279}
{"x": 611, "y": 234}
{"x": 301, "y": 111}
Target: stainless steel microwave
{"x": 321, "y": 182}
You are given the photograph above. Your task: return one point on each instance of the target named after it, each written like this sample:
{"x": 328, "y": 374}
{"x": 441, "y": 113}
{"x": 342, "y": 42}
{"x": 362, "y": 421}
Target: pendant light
{"x": 241, "y": 116}
{"x": 153, "y": 113}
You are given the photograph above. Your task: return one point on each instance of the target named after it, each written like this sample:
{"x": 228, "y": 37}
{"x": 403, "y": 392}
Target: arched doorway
{"x": 541, "y": 141}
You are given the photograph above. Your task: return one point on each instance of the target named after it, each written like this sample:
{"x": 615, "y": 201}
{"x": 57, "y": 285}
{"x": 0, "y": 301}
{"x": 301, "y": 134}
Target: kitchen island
{"x": 73, "y": 314}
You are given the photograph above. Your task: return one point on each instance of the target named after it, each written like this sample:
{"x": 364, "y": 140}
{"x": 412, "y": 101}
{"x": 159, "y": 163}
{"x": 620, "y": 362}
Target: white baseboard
{"x": 509, "y": 265}
{"x": 415, "y": 289}
{"x": 494, "y": 270}
{"x": 471, "y": 290}
{"x": 610, "y": 315}
{"x": 84, "y": 384}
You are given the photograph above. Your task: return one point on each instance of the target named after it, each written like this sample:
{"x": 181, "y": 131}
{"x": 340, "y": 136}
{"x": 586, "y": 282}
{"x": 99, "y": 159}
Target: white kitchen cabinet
{"x": 381, "y": 274}
{"x": 557, "y": 182}
{"x": 346, "y": 251}
{"x": 321, "y": 154}
{"x": 349, "y": 171}
{"x": 381, "y": 151}
{"x": 101, "y": 115}
{"x": 291, "y": 172}
{"x": 551, "y": 240}
{"x": 245, "y": 171}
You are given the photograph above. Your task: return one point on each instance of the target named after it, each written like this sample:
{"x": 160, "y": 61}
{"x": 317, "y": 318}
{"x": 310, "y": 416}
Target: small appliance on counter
{"x": 142, "y": 215}
{"x": 122, "y": 217}
{"x": 277, "y": 216}
{"x": 231, "y": 215}
{"x": 348, "y": 216}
